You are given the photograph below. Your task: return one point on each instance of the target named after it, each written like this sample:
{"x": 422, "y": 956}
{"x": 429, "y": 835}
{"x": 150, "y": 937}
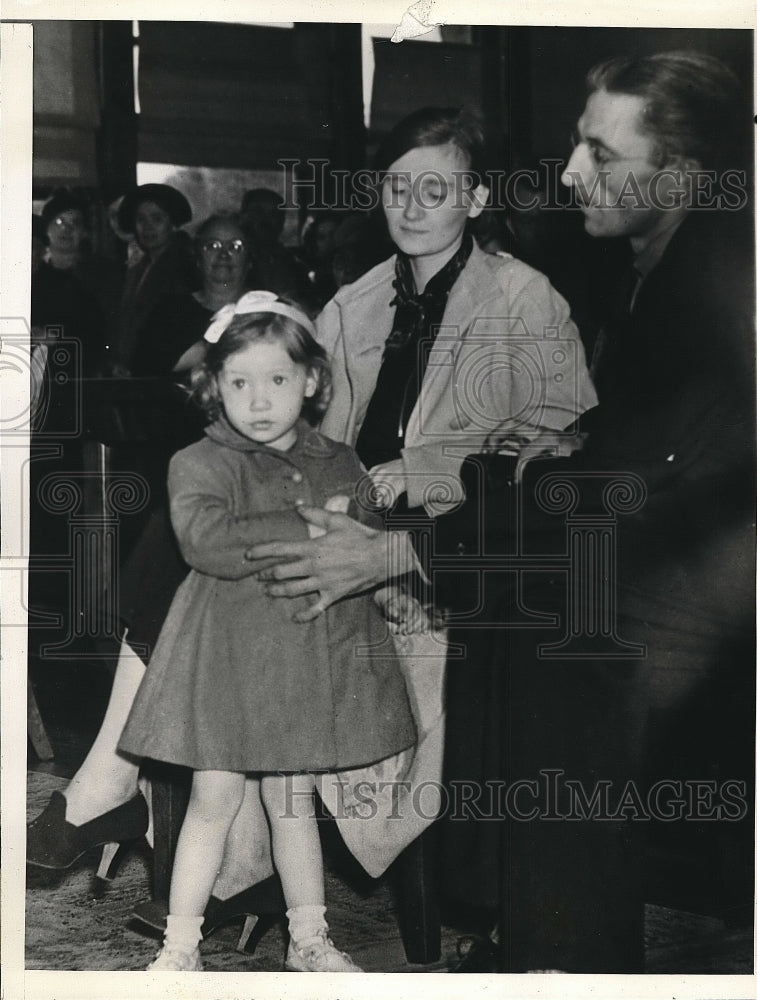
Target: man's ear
{"x": 676, "y": 179}
{"x": 686, "y": 164}
{"x": 478, "y": 198}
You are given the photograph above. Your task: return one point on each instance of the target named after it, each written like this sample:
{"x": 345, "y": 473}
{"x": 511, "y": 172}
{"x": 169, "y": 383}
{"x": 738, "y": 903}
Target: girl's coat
{"x": 234, "y": 684}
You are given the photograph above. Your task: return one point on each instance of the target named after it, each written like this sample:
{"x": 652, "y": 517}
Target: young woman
{"x": 154, "y": 213}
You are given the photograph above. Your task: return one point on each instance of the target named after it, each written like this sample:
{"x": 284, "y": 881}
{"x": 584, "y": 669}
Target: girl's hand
{"x": 338, "y": 504}
{"x": 389, "y": 482}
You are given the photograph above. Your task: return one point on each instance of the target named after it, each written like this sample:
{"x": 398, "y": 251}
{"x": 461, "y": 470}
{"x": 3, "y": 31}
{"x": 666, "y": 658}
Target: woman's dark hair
{"x": 64, "y": 200}
{"x": 250, "y": 328}
{"x": 690, "y": 102}
{"x": 436, "y": 127}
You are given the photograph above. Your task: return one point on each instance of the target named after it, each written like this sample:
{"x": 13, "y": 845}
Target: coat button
{"x": 296, "y": 477}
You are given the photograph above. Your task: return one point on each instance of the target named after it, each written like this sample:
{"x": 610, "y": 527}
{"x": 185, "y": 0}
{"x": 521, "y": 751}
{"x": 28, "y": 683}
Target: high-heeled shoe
{"x": 53, "y": 842}
{"x": 261, "y": 905}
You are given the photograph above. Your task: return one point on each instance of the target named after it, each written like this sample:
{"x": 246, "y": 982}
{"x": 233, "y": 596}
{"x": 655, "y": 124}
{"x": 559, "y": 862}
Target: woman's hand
{"x": 389, "y": 482}
{"x": 191, "y": 357}
{"x": 405, "y": 614}
{"x": 544, "y": 444}
{"x": 348, "y": 558}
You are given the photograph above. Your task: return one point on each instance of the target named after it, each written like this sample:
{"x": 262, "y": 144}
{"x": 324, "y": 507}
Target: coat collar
{"x": 370, "y": 322}
{"x": 309, "y": 442}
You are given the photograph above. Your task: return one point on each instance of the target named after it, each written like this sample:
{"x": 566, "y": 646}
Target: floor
{"x": 73, "y": 922}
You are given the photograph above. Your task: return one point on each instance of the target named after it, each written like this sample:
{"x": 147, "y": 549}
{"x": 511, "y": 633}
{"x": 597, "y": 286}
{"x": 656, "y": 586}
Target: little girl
{"x": 235, "y": 685}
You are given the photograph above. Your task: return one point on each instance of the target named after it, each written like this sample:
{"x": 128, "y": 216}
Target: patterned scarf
{"x": 416, "y": 320}
{"x": 414, "y": 309}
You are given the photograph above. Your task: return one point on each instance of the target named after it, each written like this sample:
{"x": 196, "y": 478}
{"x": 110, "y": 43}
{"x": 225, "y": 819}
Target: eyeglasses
{"x": 61, "y": 220}
{"x": 234, "y": 247}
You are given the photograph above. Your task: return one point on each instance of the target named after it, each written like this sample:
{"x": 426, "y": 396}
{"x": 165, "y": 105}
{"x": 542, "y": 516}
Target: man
{"x": 673, "y": 370}
{"x": 274, "y": 266}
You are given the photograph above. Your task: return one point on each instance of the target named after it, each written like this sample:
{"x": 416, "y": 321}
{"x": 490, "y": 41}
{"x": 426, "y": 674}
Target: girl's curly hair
{"x": 249, "y": 328}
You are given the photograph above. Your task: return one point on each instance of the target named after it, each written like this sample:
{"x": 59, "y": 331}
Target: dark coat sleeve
{"x": 211, "y": 538}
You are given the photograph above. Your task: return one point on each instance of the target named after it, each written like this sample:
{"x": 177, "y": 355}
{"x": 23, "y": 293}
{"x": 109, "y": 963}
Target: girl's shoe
{"x": 260, "y": 904}
{"x": 318, "y": 954}
{"x": 171, "y": 959}
{"x": 53, "y": 842}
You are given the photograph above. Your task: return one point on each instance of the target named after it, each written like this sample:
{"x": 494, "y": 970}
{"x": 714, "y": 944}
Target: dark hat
{"x": 63, "y": 200}
{"x": 261, "y": 198}
{"x": 166, "y": 197}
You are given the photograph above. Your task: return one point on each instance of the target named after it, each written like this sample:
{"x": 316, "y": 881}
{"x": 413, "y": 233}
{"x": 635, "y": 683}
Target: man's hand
{"x": 347, "y": 559}
{"x": 389, "y": 482}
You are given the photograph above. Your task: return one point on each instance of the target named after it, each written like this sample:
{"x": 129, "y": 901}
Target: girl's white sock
{"x": 183, "y": 933}
{"x": 306, "y": 922}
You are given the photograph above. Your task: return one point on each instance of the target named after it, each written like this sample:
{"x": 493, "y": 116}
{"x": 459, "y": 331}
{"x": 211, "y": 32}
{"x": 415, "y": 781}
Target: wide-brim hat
{"x": 166, "y": 197}
{"x": 63, "y": 200}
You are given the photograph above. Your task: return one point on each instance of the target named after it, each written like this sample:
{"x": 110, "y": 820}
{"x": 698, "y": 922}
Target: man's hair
{"x": 691, "y": 103}
{"x": 261, "y": 198}
{"x": 262, "y": 212}
{"x": 437, "y": 127}
{"x": 228, "y": 218}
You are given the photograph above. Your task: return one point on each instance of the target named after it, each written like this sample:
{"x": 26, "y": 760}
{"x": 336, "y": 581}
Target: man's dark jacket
{"x": 676, "y": 391}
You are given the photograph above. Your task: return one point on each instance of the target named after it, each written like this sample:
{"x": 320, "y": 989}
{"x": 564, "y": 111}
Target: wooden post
{"x": 495, "y": 84}
{"x": 36, "y": 727}
{"x": 117, "y": 135}
{"x": 421, "y": 924}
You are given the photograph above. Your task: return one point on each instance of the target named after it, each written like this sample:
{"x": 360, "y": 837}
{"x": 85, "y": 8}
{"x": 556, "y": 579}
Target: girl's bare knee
{"x": 216, "y": 794}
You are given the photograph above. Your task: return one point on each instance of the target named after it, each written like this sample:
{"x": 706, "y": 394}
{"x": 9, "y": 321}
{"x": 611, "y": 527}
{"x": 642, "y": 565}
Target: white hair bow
{"x": 254, "y": 302}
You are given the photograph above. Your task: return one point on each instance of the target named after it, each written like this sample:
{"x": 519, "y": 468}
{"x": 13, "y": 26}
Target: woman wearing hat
{"x": 154, "y": 213}
{"x": 92, "y": 282}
